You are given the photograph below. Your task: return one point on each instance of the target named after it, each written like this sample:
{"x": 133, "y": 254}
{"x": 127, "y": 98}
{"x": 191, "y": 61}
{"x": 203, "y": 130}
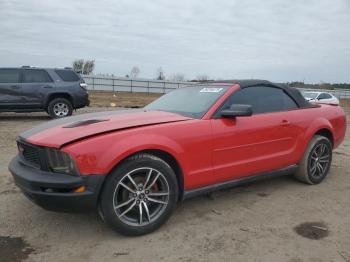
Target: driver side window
{"x": 263, "y": 99}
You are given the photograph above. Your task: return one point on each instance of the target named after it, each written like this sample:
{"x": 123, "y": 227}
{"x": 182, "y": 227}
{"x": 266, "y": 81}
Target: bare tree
{"x": 135, "y": 71}
{"x": 89, "y": 67}
{"x": 78, "y": 65}
{"x": 202, "y": 78}
{"x": 160, "y": 74}
{"x": 82, "y": 66}
{"x": 178, "y": 77}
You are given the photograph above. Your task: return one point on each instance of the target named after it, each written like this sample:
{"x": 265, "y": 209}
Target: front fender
{"x": 99, "y": 155}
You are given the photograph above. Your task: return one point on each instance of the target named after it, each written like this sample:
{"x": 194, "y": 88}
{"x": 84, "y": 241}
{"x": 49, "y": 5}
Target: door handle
{"x": 285, "y": 122}
{"x": 47, "y": 86}
{"x": 15, "y": 87}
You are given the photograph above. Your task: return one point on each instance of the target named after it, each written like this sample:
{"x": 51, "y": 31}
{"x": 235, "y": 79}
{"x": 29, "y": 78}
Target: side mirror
{"x": 237, "y": 110}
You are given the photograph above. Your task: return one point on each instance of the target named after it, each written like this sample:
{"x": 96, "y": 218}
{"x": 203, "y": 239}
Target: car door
{"x": 10, "y": 89}
{"x": 265, "y": 141}
{"x": 36, "y": 83}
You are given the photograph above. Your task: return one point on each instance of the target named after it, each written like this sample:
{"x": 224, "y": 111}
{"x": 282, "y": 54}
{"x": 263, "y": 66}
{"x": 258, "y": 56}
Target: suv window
{"x": 263, "y": 99}
{"x": 35, "y": 76}
{"x": 67, "y": 75}
{"x": 9, "y": 75}
{"x": 324, "y": 96}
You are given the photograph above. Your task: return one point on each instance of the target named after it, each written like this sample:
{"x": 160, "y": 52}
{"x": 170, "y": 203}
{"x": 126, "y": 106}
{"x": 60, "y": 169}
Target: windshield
{"x": 189, "y": 101}
{"x": 311, "y": 95}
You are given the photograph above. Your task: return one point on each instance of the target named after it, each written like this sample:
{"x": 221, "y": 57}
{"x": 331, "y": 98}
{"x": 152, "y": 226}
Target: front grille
{"x": 30, "y": 153}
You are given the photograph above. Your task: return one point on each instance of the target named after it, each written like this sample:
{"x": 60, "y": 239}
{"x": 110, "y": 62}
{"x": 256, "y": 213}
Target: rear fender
{"x": 56, "y": 94}
{"x": 315, "y": 126}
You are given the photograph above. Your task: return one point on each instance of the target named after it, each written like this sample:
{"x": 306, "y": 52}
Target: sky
{"x": 277, "y": 40}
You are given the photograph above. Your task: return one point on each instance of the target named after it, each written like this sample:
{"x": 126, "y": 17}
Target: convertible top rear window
{"x": 189, "y": 101}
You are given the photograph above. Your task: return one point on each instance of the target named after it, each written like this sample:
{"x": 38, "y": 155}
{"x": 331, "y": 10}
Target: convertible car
{"x": 133, "y": 166}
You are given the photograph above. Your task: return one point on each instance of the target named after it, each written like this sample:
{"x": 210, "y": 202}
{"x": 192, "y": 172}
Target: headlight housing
{"x": 61, "y": 162}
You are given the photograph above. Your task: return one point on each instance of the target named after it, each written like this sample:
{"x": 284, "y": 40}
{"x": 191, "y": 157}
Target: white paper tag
{"x": 211, "y": 90}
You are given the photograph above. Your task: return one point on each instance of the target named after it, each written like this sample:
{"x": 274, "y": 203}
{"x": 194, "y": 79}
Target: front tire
{"x": 139, "y": 195}
{"x": 60, "y": 107}
{"x": 316, "y": 161}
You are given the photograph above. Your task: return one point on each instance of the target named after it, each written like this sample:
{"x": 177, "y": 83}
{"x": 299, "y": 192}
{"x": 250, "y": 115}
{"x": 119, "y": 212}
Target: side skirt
{"x": 207, "y": 189}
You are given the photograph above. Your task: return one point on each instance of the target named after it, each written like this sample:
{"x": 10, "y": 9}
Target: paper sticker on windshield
{"x": 211, "y": 90}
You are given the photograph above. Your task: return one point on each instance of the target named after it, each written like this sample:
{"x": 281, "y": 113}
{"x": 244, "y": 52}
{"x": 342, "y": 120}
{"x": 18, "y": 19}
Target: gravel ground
{"x": 274, "y": 220}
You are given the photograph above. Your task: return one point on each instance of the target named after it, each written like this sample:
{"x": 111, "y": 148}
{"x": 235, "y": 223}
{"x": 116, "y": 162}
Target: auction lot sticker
{"x": 211, "y": 90}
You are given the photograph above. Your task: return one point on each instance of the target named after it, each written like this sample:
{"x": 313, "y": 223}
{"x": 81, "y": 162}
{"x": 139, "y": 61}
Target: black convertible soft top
{"x": 291, "y": 91}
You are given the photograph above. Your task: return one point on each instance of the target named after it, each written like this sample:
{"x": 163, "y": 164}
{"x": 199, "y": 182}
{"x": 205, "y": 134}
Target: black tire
{"x": 113, "y": 191}
{"x": 59, "y": 107}
{"x": 309, "y": 170}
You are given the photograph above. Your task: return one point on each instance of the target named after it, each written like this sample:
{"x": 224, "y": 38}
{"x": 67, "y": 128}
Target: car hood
{"x": 57, "y": 133}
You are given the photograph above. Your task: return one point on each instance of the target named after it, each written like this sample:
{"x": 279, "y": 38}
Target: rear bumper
{"x": 82, "y": 100}
{"x": 55, "y": 192}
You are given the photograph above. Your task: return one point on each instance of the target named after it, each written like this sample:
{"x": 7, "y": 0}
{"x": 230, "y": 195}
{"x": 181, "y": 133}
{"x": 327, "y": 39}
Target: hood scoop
{"x": 85, "y": 123}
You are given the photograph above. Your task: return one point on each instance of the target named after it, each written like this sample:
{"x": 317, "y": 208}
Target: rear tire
{"x": 316, "y": 161}
{"x": 59, "y": 107}
{"x": 139, "y": 195}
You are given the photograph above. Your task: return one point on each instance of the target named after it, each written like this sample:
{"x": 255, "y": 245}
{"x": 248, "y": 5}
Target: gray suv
{"x": 28, "y": 89}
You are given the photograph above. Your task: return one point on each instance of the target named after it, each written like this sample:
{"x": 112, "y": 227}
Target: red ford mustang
{"x": 134, "y": 165}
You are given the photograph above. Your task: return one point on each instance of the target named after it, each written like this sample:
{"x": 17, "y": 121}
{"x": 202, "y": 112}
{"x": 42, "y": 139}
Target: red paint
{"x": 208, "y": 150}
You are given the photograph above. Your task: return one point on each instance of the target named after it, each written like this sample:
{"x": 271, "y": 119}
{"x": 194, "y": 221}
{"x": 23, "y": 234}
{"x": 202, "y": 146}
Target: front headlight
{"x": 61, "y": 162}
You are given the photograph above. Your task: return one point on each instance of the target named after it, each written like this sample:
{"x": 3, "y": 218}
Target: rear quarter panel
{"x": 312, "y": 120}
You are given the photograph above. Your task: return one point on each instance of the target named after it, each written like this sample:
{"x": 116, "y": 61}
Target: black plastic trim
{"x": 55, "y": 192}
{"x": 207, "y": 189}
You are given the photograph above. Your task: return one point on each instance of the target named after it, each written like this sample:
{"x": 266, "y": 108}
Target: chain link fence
{"x": 132, "y": 85}
{"x": 115, "y": 84}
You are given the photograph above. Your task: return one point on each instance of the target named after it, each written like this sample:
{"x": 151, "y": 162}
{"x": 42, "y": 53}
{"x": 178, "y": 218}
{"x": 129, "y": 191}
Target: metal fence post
{"x": 164, "y": 87}
{"x": 113, "y": 85}
{"x": 148, "y": 87}
{"x": 93, "y": 83}
{"x": 131, "y": 86}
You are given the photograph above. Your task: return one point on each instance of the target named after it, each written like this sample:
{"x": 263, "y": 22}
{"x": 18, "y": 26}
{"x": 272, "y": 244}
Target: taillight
{"x": 83, "y": 86}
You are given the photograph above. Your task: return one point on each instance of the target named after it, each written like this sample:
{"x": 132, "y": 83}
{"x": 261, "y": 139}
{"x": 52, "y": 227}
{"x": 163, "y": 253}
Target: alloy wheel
{"x": 319, "y": 160}
{"x": 141, "y": 196}
{"x": 61, "y": 109}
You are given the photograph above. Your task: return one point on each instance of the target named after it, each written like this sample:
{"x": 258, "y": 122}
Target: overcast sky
{"x": 278, "y": 40}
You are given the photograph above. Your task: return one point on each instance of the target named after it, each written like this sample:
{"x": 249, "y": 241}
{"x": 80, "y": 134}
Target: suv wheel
{"x": 139, "y": 196}
{"x": 60, "y": 107}
{"x": 316, "y": 161}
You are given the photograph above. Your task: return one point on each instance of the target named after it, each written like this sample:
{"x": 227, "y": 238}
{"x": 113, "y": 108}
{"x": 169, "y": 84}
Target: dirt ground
{"x": 274, "y": 220}
{"x": 121, "y": 99}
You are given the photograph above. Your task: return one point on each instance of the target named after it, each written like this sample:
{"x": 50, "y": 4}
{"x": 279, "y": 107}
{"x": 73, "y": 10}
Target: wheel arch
{"x": 169, "y": 158}
{"x": 320, "y": 126}
{"x": 65, "y": 95}
{"x": 326, "y": 132}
